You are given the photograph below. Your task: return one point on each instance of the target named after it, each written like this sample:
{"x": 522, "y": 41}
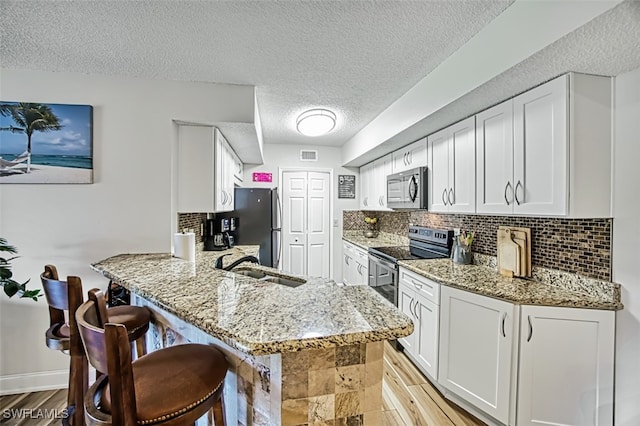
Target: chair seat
{"x": 57, "y": 337}
{"x": 135, "y": 318}
{"x": 173, "y": 381}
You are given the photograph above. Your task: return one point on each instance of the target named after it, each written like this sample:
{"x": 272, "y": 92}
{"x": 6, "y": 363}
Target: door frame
{"x": 281, "y": 171}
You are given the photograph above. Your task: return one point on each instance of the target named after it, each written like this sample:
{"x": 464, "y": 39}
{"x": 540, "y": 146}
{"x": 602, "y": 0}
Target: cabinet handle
{"x": 419, "y": 285}
{"x": 346, "y": 258}
{"x": 404, "y": 159}
{"x": 451, "y": 197}
{"x": 504, "y": 318}
{"x": 444, "y": 191}
{"x": 515, "y": 192}
{"x": 505, "y": 193}
{"x": 380, "y": 200}
{"x": 530, "y": 328}
{"x": 411, "y": 309}
{"x": 365, "y": 201}
{"x": 409, "y": 158}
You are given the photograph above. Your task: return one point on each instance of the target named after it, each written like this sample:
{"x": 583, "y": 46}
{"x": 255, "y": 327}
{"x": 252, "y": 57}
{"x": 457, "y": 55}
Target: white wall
{"x": 127, "y": 209}
{"x": 626, "y": 251}
{"x": 277, "y": 156}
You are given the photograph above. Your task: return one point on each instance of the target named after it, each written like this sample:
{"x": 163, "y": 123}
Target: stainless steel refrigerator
{"x": 259, "y": 217}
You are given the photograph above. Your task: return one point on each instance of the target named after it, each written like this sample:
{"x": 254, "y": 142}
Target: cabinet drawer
{"x": 423, "y": 286}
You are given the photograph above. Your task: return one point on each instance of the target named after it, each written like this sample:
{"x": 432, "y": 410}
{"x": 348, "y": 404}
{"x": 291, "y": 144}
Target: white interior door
{"x": 318, "y": 224}
{"x": 294, "y": 229}
{"x": 306, "y": 231}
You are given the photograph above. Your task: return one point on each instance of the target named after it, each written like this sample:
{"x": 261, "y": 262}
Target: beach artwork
{"x": 45, "y": 143}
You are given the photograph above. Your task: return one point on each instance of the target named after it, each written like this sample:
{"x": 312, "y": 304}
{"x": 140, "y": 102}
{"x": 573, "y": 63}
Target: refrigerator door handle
{"x": 279, "y": 212}
{"x": 276, "y": 262}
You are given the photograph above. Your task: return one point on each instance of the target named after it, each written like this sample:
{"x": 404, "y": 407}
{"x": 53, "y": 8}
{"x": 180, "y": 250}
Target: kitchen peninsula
{"x": 298, "y": 355}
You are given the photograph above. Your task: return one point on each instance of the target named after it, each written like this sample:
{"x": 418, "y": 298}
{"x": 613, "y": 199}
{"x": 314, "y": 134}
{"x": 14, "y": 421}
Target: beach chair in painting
{"x": 8, "y": 165}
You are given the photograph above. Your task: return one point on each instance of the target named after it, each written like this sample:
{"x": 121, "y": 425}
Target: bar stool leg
{"x": 141, "y": 346}
{"x": 218, "y": 411}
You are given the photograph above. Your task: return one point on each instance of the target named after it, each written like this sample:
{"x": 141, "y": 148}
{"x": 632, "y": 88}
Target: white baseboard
{"x": 33, "y": 382}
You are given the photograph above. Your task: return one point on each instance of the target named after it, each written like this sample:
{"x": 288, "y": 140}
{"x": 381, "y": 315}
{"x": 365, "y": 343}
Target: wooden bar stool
{"x": 171, "y": 386}
{"x": 63, "y": 336}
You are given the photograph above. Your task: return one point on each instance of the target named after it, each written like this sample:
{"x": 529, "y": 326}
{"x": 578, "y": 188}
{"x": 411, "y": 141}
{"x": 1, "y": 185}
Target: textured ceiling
{"x": 608, "y": 45}
{"x": 354, "y": 57}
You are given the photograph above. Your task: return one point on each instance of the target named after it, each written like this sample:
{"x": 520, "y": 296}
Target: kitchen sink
{"x": 251, "y": 273}
{"x": 263, "y": 276}
{"x": 284, "y": 281}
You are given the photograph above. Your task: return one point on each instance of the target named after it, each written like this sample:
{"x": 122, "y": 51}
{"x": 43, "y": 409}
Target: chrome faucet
{"x": 219, "y": 260}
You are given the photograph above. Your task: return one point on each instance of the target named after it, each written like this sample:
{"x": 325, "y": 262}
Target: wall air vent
{"x": 308, "y": 155}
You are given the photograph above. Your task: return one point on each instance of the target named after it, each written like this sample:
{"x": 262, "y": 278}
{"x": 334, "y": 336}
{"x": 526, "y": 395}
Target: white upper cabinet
{"x": 410, "y": 157}
{"x": 373, "y": 184}
{"x": 452, "y": 168}
{"x": 224, "y": 174}
{"x": 494, "y": 159}
{"x": 547, "y": 152}
{"x": 540, "y": 150}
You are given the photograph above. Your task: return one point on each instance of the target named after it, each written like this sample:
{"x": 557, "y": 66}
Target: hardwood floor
{"x": 33, "y": 409}
{"x": 408, "y": 400}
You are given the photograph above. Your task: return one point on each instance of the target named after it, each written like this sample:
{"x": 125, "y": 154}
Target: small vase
{"x": 370, "y": 233}
{"x": 461, "y": 254}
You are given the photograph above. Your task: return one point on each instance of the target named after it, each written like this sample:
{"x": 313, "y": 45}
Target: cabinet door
{"x": 362, "y": 266}
{"x": 426, "y": 340}
{"x": 346, "y": 261}
{"x": 382, "y": 169}
{"x": 540, "y": 149}
{"x": 566, "y": 366}
{"x": 417, "y": 154}
{"x": 406, "y": 299}
{"x": 462, "y": 167}
{"x": 476, "y": 349}
{"x": 196, "y": 169}
{"x": 494, "y": 159}
{"x": 220, "y": 181}
{"x": 439, "y": 185}
{"x": 366, "y": 172}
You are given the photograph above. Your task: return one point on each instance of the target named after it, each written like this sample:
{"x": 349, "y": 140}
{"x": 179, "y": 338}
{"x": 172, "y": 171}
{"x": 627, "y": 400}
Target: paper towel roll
{"x": 184, "y": 246}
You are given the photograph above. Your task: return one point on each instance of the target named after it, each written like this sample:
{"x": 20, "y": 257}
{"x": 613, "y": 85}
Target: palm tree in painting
{"x": 30, "y": 117}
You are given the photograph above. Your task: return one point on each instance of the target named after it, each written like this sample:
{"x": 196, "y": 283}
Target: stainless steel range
{"x": 424, "y": 243}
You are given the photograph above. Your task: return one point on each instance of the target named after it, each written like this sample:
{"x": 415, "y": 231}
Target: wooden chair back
{"x": 56, "y": 293}
{"x": 92, "y": 335}
{"x": 98, "y": 297}
{"x": 108, "y": 350}
{"x": 61, "y": 296}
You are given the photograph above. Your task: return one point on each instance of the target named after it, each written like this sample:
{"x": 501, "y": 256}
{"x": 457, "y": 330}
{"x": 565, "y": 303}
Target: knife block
{"x": 514, "y": 251}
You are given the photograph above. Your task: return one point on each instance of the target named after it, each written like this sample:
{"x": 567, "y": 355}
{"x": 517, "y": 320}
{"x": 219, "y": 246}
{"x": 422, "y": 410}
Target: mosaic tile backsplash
{"x": 193, "y": 221}
{"x": 579, "y": 246}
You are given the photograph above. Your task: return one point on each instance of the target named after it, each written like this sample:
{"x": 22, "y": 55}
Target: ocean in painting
{"x": 73, "y": 161}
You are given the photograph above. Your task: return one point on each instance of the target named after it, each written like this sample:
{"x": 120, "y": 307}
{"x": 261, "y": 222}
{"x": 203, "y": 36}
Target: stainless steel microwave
{"x": 407, "y": 190}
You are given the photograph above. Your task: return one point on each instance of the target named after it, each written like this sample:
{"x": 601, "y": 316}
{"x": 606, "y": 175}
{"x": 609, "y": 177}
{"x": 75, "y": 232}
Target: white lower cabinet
{"x": 477, "y": 350}
{"x": 355, "y": 265}
{"x": 418, "y": 298}
{"x": 566, "y": 366}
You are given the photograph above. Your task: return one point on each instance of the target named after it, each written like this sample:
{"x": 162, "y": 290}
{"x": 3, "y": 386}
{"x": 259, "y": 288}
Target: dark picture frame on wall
{"x": 46, "y": 143}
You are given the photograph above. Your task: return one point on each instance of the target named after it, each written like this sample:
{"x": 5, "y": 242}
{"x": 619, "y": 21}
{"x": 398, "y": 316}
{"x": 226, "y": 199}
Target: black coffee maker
{"x": 216, "y": 234}
{"x": 234, "y": 223}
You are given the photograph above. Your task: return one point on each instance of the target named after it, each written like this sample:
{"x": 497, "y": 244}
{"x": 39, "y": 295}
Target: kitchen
{"x": 104, "y": 224}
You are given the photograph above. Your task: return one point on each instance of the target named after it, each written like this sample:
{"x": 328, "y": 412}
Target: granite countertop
{"x": 382, "y": 240}
{"x": 257, "y": 317}
{"x": 547, "y": 288}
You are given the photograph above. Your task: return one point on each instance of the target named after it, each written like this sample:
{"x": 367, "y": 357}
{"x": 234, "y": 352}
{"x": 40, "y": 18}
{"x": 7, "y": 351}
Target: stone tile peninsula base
{"x": 340, "y": 385}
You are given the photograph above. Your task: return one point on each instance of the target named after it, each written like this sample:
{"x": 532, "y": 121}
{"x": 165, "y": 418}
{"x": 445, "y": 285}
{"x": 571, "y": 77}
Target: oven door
{"x": 383, "y": 278}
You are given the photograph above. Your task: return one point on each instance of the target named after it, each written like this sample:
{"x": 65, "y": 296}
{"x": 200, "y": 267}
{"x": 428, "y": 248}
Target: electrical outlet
{"x": 336, "y": 223}
{"x": 456, "y": 231}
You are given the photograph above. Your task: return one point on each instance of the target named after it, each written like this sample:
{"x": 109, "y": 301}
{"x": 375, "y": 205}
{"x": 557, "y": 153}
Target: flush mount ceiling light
{"x": 316, "y": 122}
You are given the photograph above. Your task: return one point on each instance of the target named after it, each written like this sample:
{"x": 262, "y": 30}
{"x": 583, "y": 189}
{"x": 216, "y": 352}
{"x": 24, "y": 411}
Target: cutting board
{"x": 509, "y": 254}
{"x": 514, "y": 261}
